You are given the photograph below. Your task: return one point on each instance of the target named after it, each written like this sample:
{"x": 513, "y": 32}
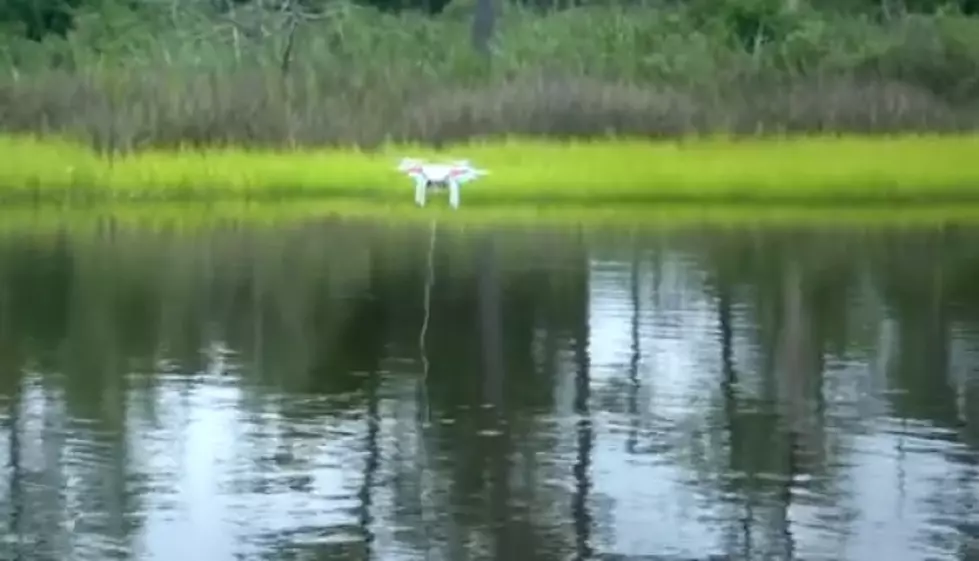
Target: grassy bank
{"x": 167, "y": 102}
{"x": 921, "y": 169}
{"x": 622, "y": 218}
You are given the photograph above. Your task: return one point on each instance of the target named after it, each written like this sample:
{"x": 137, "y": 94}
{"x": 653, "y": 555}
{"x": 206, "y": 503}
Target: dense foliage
{"x": 37, "y": 19}
{"x": 136, "y": 72}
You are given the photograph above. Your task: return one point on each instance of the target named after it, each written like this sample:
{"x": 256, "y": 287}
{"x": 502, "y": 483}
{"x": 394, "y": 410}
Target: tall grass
{"x": 920, "y": 169}
{"x": 163, "y": 77}
{"x": 179, "y": 217}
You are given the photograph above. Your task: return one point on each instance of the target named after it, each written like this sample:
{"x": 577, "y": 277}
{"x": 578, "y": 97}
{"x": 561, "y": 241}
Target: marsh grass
{"x": 921, "y": 169}
{"x": 574, "y": 109}
{"x": 177, "y": 217}
{"x": 162, "y": 77}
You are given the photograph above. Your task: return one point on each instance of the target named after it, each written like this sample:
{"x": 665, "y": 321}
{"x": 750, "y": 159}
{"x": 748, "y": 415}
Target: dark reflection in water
{"x": 340, "y": 390}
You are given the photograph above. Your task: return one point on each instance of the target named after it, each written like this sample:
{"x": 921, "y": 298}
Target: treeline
{"x": 37, "y": 19}
{"x": 131, "y": 73}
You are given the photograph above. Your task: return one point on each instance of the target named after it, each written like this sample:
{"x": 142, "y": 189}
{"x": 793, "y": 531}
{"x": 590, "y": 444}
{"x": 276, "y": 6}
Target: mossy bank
{"x": 817, "y": 169}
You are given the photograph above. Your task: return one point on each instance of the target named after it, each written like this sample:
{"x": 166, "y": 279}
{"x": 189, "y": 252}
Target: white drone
{"x": 439, "y": 177}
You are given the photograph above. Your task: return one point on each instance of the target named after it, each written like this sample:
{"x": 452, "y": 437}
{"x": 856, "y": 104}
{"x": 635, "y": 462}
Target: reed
{"x": 817, "y": 169}
{"x": 169, "y": 73}
{"x": 176, "y": 217}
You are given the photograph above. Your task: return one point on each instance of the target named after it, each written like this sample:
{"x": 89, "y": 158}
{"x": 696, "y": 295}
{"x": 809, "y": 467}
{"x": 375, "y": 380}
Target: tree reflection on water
{"x": 749, "y": 393}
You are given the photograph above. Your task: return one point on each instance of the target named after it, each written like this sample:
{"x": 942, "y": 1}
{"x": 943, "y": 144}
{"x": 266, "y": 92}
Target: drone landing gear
{"x": 423, "y": 186}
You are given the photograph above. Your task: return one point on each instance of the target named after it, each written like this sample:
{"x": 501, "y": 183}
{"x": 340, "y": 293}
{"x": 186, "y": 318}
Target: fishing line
{"x": 429, "y": 283}
{"x": 425, "y": 411}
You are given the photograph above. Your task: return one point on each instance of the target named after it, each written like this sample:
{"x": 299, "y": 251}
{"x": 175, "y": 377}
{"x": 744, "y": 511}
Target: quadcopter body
{"x": 439, "y": 177}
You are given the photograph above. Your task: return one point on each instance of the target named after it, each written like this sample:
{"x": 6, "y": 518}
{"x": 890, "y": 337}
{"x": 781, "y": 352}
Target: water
{"x": 259, "y": 392}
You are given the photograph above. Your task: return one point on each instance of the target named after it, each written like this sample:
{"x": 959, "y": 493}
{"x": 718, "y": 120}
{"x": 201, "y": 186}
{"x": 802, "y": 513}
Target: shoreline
{"x": 170, "y": 216}
{"x": 826, "y": 169}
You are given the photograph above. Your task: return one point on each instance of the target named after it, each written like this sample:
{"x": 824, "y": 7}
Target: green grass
{"x": 832, "y": 170}
{"x": 196, "y": 216}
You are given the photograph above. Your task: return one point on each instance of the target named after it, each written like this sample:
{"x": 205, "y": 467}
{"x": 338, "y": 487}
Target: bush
{"x": 126, "y": 79}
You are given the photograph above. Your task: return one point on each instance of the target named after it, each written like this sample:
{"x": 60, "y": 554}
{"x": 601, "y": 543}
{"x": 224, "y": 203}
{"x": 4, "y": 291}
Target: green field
{"x": 934, "y": 169}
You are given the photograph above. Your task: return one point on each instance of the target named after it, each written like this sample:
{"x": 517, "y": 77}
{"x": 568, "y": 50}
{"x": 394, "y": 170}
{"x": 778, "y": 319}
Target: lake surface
{"x": 345, "y": 390}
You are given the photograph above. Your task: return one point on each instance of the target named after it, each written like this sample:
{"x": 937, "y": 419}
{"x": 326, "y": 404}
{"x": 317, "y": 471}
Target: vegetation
{"x": 624, "y": 219}
{"x": 175, "y": 97}
{"x": 917, "y": 169}
{"x": 126, "y": 74}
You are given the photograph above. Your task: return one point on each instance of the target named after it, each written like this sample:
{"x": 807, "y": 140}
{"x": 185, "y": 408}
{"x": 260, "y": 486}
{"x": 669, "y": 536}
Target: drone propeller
{"x": 407, "y": 163}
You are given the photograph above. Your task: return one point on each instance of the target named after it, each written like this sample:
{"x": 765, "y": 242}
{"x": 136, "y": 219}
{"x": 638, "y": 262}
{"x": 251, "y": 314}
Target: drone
{"x": 439, "y": 177}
